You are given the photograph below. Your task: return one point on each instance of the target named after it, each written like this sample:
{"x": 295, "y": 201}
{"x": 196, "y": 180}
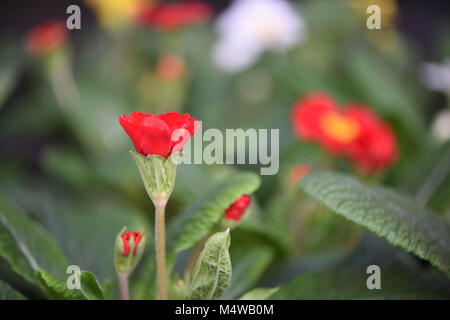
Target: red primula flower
{"x": 237, "y": 208}
{"x": 375, "y": 148}
{"x": 354, "y": 131}
{"x": 46, "y": 37}
{"x": 162, "y": 135}
{"x": 126, "y": 242}
{"x": 169, "y": 16}
{"x": 317, "y": 118}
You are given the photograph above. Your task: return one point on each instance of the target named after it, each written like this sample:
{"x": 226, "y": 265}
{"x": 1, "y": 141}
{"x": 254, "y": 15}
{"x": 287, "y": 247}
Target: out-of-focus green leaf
{"x": 346, "y": 283}
{"x": 198, "y": 220}
{"x": 57, "y": 289}
{"x": 249, "y": 263}
{"x": 212, "y": 272}
{"x": 385, "y": 91}
{"x": 389, "y": 214}
{"x": 8, "y": 293}
{"x": 259, "y": 294}
{"x": 10, "y": 62}
{"x": 90, "y": 287}
{"x": 26, "y": 245}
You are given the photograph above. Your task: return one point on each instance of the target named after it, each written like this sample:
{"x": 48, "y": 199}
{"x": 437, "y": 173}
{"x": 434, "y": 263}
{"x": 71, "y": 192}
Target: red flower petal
{"x": 306, "y": 114}
{"x": 132, "y": 126}
{"x": 155, "y": 136}
{"x": 162, "y": 135}
{"x": 237, "y": 209}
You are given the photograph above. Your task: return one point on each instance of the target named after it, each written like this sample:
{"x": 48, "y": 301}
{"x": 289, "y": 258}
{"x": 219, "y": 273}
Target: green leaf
{"x": 350, "y": 283}
{"x": 8, "y": 293}
{"x": 26, "y": 245}
{"x": 389, "y": 214}
{"x": 249, "y": 263}
{"x": 90, "y": 287}
{"x": 198, "y": 220}
{"x": 56, "y": 289}
{"x": 10, "y": 63}
{"x": 259, "y": 294}
{"x": 212, "y": 272}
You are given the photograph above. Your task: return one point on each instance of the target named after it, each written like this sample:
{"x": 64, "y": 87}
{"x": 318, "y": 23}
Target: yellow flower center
{"x": 339, "y": 127}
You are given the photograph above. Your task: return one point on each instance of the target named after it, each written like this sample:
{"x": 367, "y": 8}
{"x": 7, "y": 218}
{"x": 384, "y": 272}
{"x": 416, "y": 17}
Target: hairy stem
{"x": 123, "y": 284}
{"x": 161, "y": 268}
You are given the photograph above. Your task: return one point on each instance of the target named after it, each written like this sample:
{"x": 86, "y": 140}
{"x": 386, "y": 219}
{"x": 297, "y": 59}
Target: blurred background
{"x": 64, "y": 157}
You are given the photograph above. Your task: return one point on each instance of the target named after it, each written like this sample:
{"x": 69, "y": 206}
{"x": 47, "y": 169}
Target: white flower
{"x": 436, "y": 76}
{"x": 250, "y": 27}
{"x": 441, "y": 126}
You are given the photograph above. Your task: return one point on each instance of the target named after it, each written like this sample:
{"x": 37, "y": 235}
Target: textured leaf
{"x": 212, "y": 272}
{"x": 26, "y": 245}
{"x": 259, "y": 294}
{"x": 56, "y": 289}
{"x": 389, "y": 214}
{"x": 198, "y": 220}
{"x": 8, "y": 293}
{"x": 90, "y": 287}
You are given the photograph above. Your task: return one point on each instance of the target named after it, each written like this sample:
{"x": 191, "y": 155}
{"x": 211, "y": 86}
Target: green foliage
{"x": 90, "y": 287}
{"x": 57, "y": 289}
{"x": 8, "y": 293}
{"x": 212, "y": 272}
{"x": 259, "y": 294}
{"x": 26, "y": 245}
{"x": 351, "y": 284}
{"x": 386, "y": 212}
{"x": 200, "y": 218}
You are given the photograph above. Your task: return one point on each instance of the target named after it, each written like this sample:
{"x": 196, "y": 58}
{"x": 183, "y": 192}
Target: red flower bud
{"x": 46, "y": 37}
{"x": 162, "y": 135}
{"x": 126, "y": 242}
{"x": 237, "y": 209}
{"x": 169, "y": 16}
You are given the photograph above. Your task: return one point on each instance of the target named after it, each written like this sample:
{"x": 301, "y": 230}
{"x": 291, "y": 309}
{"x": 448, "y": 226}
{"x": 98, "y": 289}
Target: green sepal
{"x": 158, "y": 175}
{"x": 126, "y": 264}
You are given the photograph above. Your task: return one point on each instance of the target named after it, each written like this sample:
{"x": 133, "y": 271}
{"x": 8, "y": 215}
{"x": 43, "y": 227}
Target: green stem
{"x": 123, "y": 284}
{"x": 161, "y": 268}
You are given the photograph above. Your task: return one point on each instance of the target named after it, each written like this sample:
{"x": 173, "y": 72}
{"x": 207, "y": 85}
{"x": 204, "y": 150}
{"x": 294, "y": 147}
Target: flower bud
{"x": 128, "y": 251}
{"x": 46, "y": 37}
{"x": 234, "y": 213}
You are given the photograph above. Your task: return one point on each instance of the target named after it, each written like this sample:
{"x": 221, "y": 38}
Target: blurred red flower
{"x": 354, "y": 131}
{"x": 126, "y": 242}
{"x": 46, "y": 37}
{"x": 162, "y": 135}
{"x": 316, "y": 117}
{"x": 174, "y": 15}
{"x": 170, "y": 67}
{"x": 375, "y": 148}
{"x": 236, "y": 210}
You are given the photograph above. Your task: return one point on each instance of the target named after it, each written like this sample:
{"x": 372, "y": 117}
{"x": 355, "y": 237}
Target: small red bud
{"x": 126, "y": 242}
{"x": 237, "y": 209}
